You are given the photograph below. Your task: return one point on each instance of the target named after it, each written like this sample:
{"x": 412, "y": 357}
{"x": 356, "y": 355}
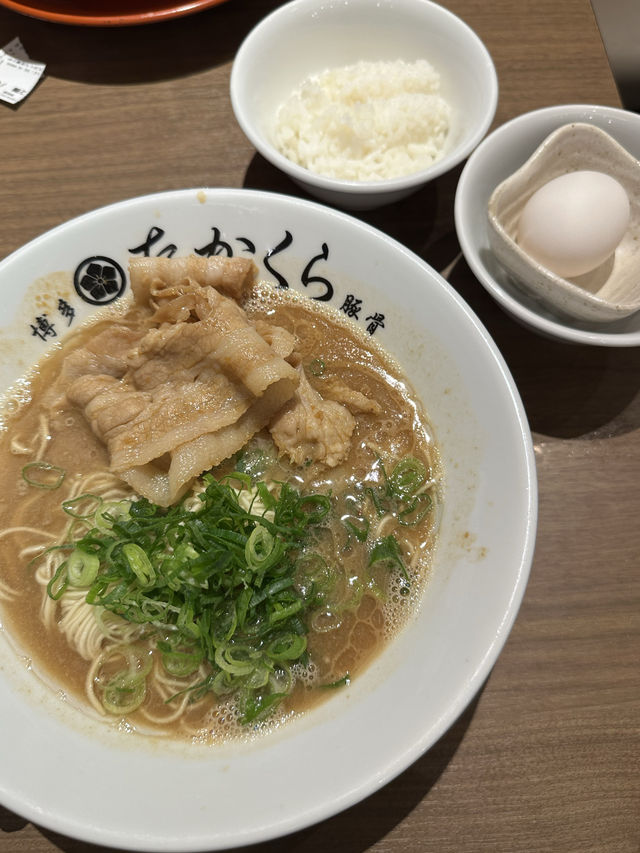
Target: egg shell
{"x": 573, "y": 223}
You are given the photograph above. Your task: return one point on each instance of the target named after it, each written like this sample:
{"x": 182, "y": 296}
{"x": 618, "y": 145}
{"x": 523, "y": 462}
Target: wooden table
{"x": 547, "y": 757}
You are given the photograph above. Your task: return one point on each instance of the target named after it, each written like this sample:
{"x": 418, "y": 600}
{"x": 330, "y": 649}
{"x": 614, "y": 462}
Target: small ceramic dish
{"x": 310, "y": 36}
{"x": 500, "y": 156}
{"x": 612, "y": 290}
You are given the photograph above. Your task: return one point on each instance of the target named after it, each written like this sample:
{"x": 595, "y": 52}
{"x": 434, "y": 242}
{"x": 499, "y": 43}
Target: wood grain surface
{"x": 546, "y": 759}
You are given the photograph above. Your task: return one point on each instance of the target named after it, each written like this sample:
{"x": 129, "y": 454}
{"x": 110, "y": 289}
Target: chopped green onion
{"x": 406, "y": 478}
{"x": 403, "y": 494}
{"x": 240, "y": 476}
{"x": 259, "y": 677}
{"x": 181, "y": 663}
{"x": 316, "y": 506}
{"x": 265, "y": 496}
{"x": 214, "y": 583}
{"x": 139, "y": 563}
{"x": 125, "y": 690}
{"x": 317, "y": 367}
{"x": 82, "y": 568}
{"x": 221, "y": 685}
{"x": 43, "y": 475}
{"x": 82, "y": 507}
{"x": 376, "y": 500}
{"x": 282, "y": 611}
{"x": 124, "y": 693}
{"x": 110, "y": 512}
{"x": 262, "y": 549}
{"x": 359, "y": 527}
{"x": 235, "y": 661}
{"x": 413, "y": 514}
{"x": 58, "y": 583}
{"x": 258, "y": 706}
{"x": 287, "y": 647}
{"x": 314, "y": 578}
{"x": 341, "y": 682}
{"x": 388, "y": 550}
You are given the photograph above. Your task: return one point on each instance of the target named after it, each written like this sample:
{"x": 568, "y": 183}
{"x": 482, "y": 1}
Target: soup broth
{"x": 359, "y": 569}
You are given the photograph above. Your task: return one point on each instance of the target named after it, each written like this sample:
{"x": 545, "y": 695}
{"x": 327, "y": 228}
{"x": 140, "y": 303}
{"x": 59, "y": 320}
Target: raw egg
{"x": 573, "y": 223}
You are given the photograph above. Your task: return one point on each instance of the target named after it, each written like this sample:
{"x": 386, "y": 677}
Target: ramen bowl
{"x": 589, "y": 136}
{"x": 309, "y": 36}
{"x": 367, "y": 732}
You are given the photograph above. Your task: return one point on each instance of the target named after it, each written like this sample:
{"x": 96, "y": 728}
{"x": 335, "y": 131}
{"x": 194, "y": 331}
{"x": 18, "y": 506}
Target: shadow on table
{"x": 11, "y": 822}
{"x": 420, "y": 222}
{"x": 568, "y": 391}
{"x": 357, "y": 828}
{"x": 361, "y": 826}
{"x": 136, "y": 54}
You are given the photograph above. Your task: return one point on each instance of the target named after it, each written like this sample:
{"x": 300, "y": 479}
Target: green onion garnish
{"x": 215, "y": 585}
{"x": 84, "y": 506}
{"x": 406, "y": 478}
{"x": 340, "y": 682}
{"x": 82, "y": 568}
{"x": 43, "y": 475}
{"x": 124, "y": 694}
{"x": 317, "y": 367}
{"x": 387, "y": 550}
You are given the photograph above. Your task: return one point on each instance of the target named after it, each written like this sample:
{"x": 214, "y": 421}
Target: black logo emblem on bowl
{"x": 99, "y": 280}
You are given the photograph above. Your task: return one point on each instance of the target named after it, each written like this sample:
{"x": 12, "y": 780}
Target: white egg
{"x": 572, "y": 224}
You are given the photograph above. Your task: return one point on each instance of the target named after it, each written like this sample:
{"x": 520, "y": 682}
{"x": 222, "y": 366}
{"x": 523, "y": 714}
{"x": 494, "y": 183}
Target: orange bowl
{"x": 107, "y": 13}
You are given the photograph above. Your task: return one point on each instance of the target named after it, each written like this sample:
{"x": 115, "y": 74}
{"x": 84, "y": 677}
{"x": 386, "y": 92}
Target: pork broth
{"x": 360, "y": 570}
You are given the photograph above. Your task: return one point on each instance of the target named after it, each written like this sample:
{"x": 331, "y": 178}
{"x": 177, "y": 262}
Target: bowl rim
{"x": 471, "y": 685}
{"x": 388, "y": 185}
{"x": 556, "y": 116}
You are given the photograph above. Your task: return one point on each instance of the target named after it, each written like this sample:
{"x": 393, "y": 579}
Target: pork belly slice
{"x": 200, "y": 380}
{"x": 154, "y": 280}
{"x": 310, "y": 428}
{"x": 140, "y": 426}
{"x": 106, "y": 352}
{"x": 165, "y": 486}
{"x": 184, "y": 382}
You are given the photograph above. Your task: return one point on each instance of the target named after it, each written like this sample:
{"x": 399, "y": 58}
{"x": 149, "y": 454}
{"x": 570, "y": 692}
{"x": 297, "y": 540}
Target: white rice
{"x": 365, "y": 122}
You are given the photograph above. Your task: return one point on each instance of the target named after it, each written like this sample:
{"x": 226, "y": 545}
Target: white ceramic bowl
{"x": 94, "y": 781}
{"x": 607, "y": 292}
{"x": 307, "y": 36}
{"x": 501, "y": 155}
